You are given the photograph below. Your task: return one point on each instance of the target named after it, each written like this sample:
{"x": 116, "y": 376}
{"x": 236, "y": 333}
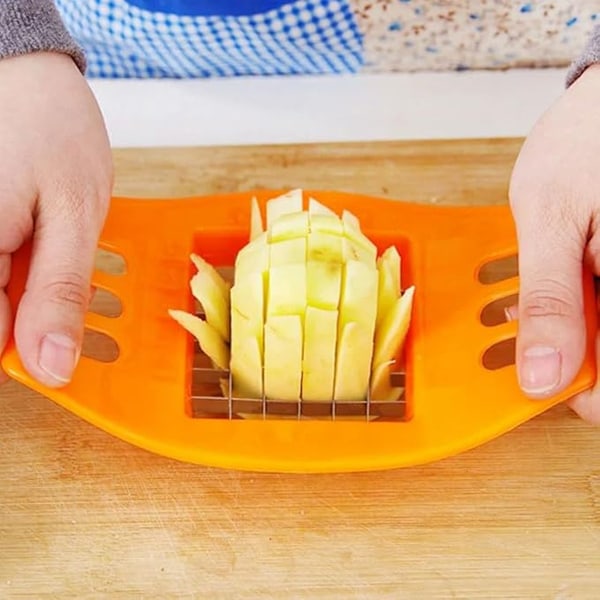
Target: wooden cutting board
{"x": 83, "y": 515}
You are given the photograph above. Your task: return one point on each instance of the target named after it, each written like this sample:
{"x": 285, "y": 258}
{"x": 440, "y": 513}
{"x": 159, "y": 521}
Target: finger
{"x": 551, "y": 336}
{"x": 5, "y": 312}
{"x": 5, "y": 328}
{"x": 49, "y": 322}
{"x": 587, "y": 406}
{"x": 587, "y": 403}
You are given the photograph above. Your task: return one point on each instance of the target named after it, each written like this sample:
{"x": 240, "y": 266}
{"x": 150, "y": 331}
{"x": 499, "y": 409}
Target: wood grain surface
{"x": 84, "y": 515}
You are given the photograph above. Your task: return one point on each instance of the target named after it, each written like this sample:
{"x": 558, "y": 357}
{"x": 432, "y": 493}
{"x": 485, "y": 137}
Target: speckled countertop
{"x": 415, "y": 35}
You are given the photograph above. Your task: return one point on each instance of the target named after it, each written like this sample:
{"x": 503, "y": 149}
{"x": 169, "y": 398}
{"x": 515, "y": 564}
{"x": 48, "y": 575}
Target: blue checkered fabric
{"x": 127, "y": 40}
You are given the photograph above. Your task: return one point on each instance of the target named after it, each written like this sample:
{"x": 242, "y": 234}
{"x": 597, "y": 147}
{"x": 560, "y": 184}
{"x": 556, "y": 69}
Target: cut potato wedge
{"x": 319, "y": 354}
{"x": 356, "y": 330}
{"x": 393, "y": 329}
{"x": 388, "y": 265}
{"x": 326, "y": 224}
{"x": 323, "y": 284}
{"x": 389, "y": 340}
{"x": 354, "y": 251}
{"x": 287, "y": 290}
{"x": 290, "y": 202}
{"x": 287, "y": 252}
{"x": 350, "y": 220}
{"x": 248, "y": 299}
{"x": 209, "y": 339}
{"x": 292, "y": 225}
{"x": 358, "y": 300}
{"x": 283, "y": 357}
{"x": 256, "y": 222}
{"x": 381, "y": 387}
{"x": 214, "y": 303}
{"x": 317, "y": 208}
{"x": 247, "y": 335}
{"x": 212, "y": 273}
{"x": 359, "y": 241}
{"x": 352, "y": 372}
{"x": 246, "y": 357}
{"x": 325, "y": 247}
{"x": 253, "y": 257}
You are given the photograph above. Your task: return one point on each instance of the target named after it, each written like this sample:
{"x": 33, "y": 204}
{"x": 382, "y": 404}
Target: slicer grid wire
{"x": 212, "y": 397}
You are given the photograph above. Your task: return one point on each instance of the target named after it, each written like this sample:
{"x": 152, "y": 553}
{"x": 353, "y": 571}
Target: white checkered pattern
{"x": 302, "y": 37}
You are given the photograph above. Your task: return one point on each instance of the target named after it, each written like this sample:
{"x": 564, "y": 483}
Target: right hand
{"x": 55, "y": 185}
{"x": 554, "y": 195}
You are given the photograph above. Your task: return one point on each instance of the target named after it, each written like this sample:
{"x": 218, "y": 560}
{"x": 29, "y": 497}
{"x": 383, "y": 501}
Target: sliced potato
{"x": 256, "y": 222}
{"x": 327, "y": 224}
{"x": 356, "y": 329}
{"x": 352, "y": 250}
{"x": 389, "y": 340}
{"x": 247, "y": 335}
{"x": 287, "y": 252}
{"x": 393, "y": 329}
{"x": 350, "y": 220}
{"x": 317, "y": 208}
{"x": 319, "y": 354}
{"x": 324, "y": 247}
{"x": 352, "y": 369}
{"x": 323, "y": 284}
{"x": 246, "y": 357}
{"x": 290, "y": 202}
{"x": 252, "y": 258}
{"x": 283, "y": 357}
{"x": 210, "y": 341}
{"x": 219, "y": 281}
{"x": 213, "y": 301}
{"x": 381, "y": 387}
{"x": 287, "y": 290}
{"x": 388, "y": 265}
{"x": 359, "y": 242}
{"x": 247, "y": 298}
{"x": 358, "y": 300}
{"x": 292, "y": 225}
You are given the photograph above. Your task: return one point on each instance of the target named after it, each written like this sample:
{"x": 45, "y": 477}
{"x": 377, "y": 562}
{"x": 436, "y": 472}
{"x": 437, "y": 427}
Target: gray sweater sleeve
{"x": 589, "y": 57}
{"x": 35, "y": 26}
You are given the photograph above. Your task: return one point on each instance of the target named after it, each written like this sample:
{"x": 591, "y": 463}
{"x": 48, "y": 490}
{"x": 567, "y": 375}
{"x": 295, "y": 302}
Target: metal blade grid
{"x": 212, "y": 397}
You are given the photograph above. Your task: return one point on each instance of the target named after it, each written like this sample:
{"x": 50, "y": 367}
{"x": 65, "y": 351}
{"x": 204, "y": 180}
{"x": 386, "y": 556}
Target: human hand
{"x": 55, "y": 185}
{"x": 555, "y": 199}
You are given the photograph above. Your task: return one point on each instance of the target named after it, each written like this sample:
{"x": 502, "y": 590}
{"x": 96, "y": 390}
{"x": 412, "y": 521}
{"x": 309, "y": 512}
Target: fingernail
{"x": 507, "y": 315}
{"x": 58, "y": 356}
{"x": 540, "y": 369}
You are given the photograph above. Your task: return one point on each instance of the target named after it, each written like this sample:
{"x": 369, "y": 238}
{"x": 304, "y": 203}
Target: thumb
{"x": 5, "y": 313}
{"x": 551, "y": 336}
{"x": 49, "y": 320}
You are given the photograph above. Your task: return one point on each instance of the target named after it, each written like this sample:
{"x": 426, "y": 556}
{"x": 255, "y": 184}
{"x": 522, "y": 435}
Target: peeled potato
{"x": 313, "y": 313}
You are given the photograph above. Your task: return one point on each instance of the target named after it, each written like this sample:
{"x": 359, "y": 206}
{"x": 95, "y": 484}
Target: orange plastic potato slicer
{"x": 157, "y": 394}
